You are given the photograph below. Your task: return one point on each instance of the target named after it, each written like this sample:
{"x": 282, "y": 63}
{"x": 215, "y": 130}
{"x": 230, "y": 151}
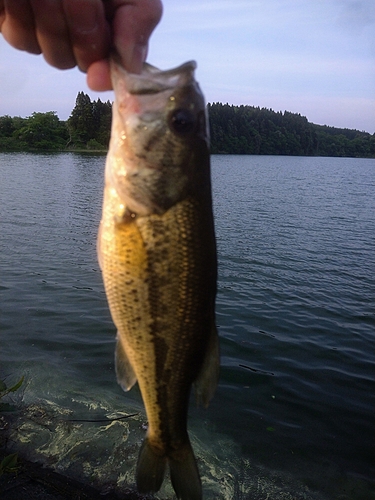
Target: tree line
{"x": 261, "y": 131}
{"x": 234, "y": 130}
{"x": 88, "y": 127}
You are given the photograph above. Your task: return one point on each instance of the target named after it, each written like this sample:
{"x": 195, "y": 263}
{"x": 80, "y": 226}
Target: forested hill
{"x": 234, "y": 130}
{"x": 261, "y": 131}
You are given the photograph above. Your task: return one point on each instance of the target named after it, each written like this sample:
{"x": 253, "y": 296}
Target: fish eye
{"x": 182, "y": 121}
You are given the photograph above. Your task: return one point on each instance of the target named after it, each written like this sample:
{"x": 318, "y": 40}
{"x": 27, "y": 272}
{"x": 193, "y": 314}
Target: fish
{"x": 157, "y": 253}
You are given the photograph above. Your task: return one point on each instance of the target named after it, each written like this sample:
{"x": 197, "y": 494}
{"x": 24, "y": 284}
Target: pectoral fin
{"x": 206, "y": 382}
{"x": 124, "y": 370}
{"x": 98, "y": 248}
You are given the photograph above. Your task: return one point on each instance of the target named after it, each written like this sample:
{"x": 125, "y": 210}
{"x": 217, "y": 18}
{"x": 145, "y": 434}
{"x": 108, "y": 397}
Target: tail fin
{"x": 183, "y": 467}
{"x": 150, "y": 469}
{"x": 185, "y": 475}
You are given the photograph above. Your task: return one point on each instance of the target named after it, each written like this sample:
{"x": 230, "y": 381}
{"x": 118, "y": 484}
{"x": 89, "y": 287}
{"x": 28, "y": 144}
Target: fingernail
{"x": 133, "y": 56}
{"x": 139, "y": 57}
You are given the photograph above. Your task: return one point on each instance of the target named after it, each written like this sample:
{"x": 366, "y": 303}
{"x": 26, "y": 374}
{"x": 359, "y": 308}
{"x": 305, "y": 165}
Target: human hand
{"x": 81, "y": 32}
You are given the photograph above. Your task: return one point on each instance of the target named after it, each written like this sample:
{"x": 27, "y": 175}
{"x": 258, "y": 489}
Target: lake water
{"x": 293, "y": 416}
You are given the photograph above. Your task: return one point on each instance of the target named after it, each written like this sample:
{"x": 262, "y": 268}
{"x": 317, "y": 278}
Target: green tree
{"x": 81, "y": 122}
{"x": 102, "y": 116}
{"x": 6, "y": 126}
{"x": 254, "y": 130}
{"x": 90, "y": 122}
{"x": 42, "y": 131}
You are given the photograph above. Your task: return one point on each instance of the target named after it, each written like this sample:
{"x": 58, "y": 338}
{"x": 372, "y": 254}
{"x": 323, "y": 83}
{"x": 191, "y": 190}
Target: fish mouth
{"x": 152, "y": 80}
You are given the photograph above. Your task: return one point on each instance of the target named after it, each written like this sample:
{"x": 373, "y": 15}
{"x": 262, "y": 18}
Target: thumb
{"x": 132, "y": 26}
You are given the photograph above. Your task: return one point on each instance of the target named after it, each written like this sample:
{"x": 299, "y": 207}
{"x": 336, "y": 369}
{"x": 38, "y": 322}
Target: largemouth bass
{"x": 157, "y": 253}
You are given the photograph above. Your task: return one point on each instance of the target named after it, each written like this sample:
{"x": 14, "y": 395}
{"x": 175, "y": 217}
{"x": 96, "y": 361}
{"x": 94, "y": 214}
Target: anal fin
{"x": 124, "y": 370}
{"x": 98, "y": 246}
{"x": 206, "y": 382}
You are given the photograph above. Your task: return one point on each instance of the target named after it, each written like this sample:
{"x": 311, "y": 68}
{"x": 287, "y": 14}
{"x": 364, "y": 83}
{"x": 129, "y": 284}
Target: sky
{"x": 313, "y": 57}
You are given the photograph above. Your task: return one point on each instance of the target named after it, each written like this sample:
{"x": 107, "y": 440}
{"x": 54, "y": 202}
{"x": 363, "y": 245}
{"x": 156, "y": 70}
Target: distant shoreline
{"x": 103, "y": 152}
{"x": 239, "y": 130}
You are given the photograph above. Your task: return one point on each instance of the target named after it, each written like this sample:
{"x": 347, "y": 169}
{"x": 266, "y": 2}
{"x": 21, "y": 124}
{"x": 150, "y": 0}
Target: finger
{"x": 88, "y": 30}
{"x": 2, "y": 13}
{"x": 98, "y": 76}
{"x": 52, "y": 33}
{"x": 17, "y": 25}
{"x": 132, "y": 26}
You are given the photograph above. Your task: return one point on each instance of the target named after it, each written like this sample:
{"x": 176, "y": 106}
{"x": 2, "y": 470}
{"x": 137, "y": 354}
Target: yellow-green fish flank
{"x": 157, "y": 252}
